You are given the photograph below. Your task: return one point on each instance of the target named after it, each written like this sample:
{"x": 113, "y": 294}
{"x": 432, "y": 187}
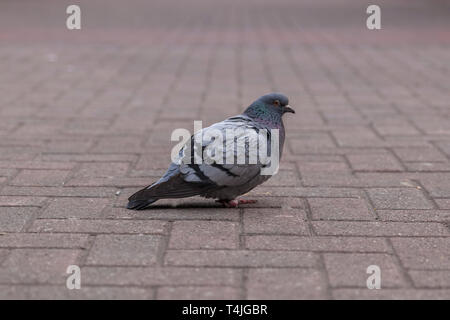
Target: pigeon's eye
{"x": 276, "y": 103}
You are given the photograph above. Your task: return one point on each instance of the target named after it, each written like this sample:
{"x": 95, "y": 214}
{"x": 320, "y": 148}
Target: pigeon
{"x": 223, "y": 180}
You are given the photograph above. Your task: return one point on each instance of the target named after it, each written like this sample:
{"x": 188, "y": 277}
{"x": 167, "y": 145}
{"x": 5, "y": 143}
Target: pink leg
{"x": 234, "y": 203}
{"x": 247, "y": 201}
{"x": 229, "y": 203}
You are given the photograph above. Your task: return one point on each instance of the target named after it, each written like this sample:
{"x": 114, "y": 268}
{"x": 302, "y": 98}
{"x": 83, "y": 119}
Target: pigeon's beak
{"x": 288, "y": 109}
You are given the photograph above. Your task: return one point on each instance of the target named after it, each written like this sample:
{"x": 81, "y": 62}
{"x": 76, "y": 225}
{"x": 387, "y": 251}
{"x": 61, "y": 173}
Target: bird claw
{"x": 234, "y": 203}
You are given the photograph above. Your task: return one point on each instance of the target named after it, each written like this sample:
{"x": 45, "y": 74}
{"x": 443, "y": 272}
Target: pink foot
{"x": 247, "y": 201}
{"x": 234, "y": 203}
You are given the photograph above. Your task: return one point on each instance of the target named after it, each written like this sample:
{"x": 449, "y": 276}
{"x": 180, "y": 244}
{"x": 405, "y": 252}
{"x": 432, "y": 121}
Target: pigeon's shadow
{"x": 192, "y": 205}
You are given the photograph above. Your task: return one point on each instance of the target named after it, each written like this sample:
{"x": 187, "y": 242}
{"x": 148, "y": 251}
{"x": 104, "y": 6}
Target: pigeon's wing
{"x": 239, "y": 139}
{"x": 170, "y": 185}
{"x": 187, "y": 177}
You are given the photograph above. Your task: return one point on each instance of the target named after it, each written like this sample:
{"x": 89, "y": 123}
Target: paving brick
{"x": 423, "y": 253}
{"x": 438, "y": 185}
{"x": 198, "y": 293}
{"x": 414, "y": 215}
{"x": 427, "y": 166}
{"x": 239, "y": 258}
{"x": 124, "y": 250}
{"x": 349, "y": 244}
{"x": 340, "y": 209}
{"x": 45, "y": 178}
{"x": 42, "y": 292}
{"x": 90, "y": 157}
{"x": 31, "y": 266}
{"x": 286, "y": 284}
{"x": 169, "y": 213}
{"x": 13, "y": 201}
{"x": 14, "y": 219}
{"x": 70, "y": 146}
{"x": 98, "y": 226}
{"x": 284, "y": 178}
{"x": 102, "y": 170}
{"x": 430, "y": 278}
{"x": 391, "y": 294}
{"x": 158, "y": 276}
{"x": 119, "y": 182}
{"x": 75, "y": 208}
{"x": 5, "y": 172}
{"x": 443, "y": 203}
{"x": 399, "y": 198}
{"x": 377, "y": 229}
{"x": 312, "y": 143}
{"x": 87, "y": 192}
{"x": 35, "y": 164}
{"x": 287, "y": 221}
{"x": 374, "y": 162}
{"x": 350, "y": 269}
{"x": 419, "y": 154}
{"x": 36, "y": 240}
{"x": 357, "y": 136}
{"x": 396, "y": 129}
{"x": 3, "y": 254}
{"x": 204, "y": 235}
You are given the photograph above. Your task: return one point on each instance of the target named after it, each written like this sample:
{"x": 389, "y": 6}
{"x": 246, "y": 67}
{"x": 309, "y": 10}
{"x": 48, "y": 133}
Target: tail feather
{"x": 140, "y": 204}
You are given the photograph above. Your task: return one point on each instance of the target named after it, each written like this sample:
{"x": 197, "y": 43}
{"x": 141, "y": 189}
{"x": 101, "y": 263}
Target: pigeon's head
{"x": 273, "y": 102}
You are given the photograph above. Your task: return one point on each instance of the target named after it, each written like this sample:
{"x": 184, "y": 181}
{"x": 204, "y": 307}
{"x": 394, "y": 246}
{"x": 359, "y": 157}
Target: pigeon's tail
{"x": 140, "y": 204}
{"x": 175, "y": 187}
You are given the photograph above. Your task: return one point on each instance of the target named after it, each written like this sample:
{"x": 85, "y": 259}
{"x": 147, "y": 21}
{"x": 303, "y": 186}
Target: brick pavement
{"x": 86, "y": 117}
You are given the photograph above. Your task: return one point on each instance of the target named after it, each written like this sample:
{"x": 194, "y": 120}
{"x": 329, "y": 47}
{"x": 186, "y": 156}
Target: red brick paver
{"x": 86, "y": 118}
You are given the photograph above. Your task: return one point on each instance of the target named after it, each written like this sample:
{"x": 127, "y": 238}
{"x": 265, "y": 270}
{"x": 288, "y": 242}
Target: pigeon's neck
{"x": 265, "y": 116}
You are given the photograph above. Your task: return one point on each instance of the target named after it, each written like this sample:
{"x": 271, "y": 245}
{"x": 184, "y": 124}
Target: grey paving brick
{"x": 198, "y": 293}
{"x": 98, "y": 226}
{"x": 75, "y": 208}
{"x": 21, "y": 201}
{"x": 124, "y": 250}
{"x": 399, "y": 198}
{"x": 305, "y": 243}
{"x": 161, "y": 276}
{"x": 44, "y": 178}
{"x": 340, "y": 209}
{"x": 423, "y": 253}
{"x": 43, "y": 292}
{"x": 414, "y": 215}
{"x": 37, "y": 240}
{"x": 204, "y": 235}
{"x": 374, "y": 162}
{"x": 443, "y": 203}
{"x": 240, "y": 258}
{"x": 14, "y": 219}
{"x": 286, "y": 284}
{"x": 391, "y": 294}
{"x": 419, "y": 154}
{"x": 287, "y": 221}
{"x": 31, "y": 266}
{"x": 374, "y": 229}
{"x": 169, "y": 213}
{"x": 430, "y": 278}
{"x": 350, "y": 269}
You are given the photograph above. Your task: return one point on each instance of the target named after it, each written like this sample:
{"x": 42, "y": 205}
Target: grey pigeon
{"x": 224, "y": 181}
